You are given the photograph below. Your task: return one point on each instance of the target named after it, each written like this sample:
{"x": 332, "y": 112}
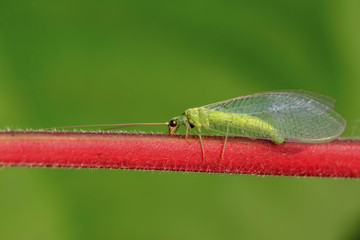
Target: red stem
{"x": 339, "y": 158}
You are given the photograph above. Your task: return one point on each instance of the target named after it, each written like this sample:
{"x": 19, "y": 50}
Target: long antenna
{"x": 119, "y": 125}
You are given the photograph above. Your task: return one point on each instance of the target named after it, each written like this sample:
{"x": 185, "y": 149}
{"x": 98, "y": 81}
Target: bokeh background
{"x": 90, "y": 62}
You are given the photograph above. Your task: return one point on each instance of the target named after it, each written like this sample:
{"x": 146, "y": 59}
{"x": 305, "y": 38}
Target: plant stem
{"x": 339, "y": 158}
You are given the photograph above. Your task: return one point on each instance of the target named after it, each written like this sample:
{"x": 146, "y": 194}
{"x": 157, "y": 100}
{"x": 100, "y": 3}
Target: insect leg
{"x": 187, "y": 132}
{"x": 223, "y": 150}
{"x": 202, "y": 146}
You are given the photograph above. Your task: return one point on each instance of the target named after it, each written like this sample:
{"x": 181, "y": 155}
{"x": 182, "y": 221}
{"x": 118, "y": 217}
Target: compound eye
{"x": 172, "y": 123}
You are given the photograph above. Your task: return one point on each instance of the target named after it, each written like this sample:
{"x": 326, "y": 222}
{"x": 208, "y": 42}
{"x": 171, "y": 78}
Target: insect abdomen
{"x": 245, "y": 122}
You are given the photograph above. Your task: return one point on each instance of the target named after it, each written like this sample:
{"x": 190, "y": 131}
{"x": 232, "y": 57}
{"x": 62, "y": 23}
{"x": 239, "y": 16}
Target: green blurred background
{"x": 90, "y": 62}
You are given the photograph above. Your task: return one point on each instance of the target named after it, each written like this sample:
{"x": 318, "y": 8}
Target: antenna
{"x": 117, "y": 125}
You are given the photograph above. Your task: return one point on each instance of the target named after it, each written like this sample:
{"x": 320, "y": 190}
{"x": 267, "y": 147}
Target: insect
{"x": 279, "y": 116}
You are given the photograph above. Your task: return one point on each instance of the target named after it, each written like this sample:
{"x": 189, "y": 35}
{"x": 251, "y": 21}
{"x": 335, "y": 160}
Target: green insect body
{"x": 201, "y": 117}
{"x": 287, "y": 115}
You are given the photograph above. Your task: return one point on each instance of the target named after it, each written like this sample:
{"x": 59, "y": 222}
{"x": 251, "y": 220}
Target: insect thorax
{"x": 197, "y": 117}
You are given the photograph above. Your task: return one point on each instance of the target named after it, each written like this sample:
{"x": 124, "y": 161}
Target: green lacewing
{"x": 279, "y": 116}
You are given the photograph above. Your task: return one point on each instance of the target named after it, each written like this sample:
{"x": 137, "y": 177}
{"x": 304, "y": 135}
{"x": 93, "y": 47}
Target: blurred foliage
{"x": 90, "y": 62}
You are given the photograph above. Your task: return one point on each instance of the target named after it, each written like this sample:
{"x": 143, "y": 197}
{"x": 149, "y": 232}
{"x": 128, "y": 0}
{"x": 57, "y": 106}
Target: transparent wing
{"x": 297, "y": 115}
{"x": 327, "y": 101}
